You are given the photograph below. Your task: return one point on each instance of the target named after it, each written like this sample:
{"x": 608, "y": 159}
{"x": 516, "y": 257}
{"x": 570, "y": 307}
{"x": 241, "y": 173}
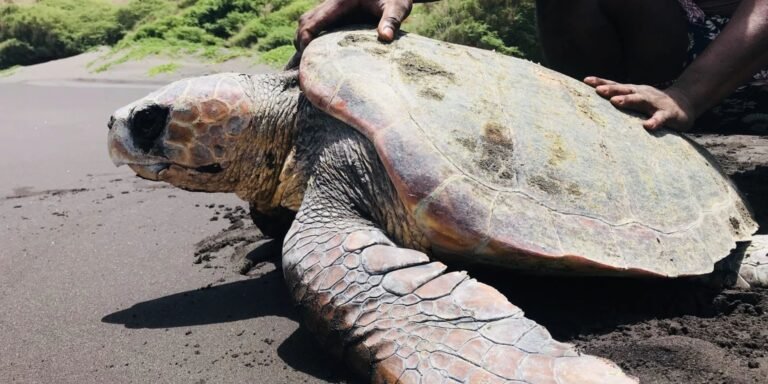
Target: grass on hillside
{"x": 506, "y": 26}
{"x": 218, "y": 30}
{"x": 9, "y": 71}
{"x": 163, "y": 68}
{"x": 52, "y": 29}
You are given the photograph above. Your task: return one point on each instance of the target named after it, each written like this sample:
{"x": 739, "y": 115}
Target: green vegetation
{"x": 213, "y": 29}
{"x": 163, "y": 68}
{"x": 219, "y": 30}
{"x": 52, "y": 29}
{"x": 279, "y": 56}
{"x": 9, "y": 71}
{"x": 507, "y": 26}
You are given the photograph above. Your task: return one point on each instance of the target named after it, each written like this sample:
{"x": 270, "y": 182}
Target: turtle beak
{"x": 123, "y": 150}
{"x": 117, "y": 152}
{"x": 152, "y": 172}
{"x": 116, "y": 142}
{"x": 119, "y": 139}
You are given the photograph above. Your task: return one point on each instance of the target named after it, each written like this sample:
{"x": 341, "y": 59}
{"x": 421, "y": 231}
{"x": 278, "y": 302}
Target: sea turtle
{"x": 399, "y": 157}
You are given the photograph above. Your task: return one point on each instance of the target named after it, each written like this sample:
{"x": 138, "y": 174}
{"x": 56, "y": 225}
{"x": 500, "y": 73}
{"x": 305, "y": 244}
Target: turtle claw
{"x": 754, "y": 267}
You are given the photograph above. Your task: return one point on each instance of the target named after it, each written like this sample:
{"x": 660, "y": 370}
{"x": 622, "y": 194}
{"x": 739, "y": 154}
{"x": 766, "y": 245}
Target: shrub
{"x": 15, "y": 52}
{"x": 195, "y": 35}
{"x": 276, "y": 37}
{"x": 278, "y": 56}
{"x": 222, "y": 29}
{"x": 508, "y": 26}
{"x": 274, "y": 27}
{"x": 52, "y": 29}
{"x": 250, "y": 34}
{"x": 141, "y": 11}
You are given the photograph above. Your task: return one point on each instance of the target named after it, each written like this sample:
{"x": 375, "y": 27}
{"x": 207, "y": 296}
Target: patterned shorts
{"x": 746, "y": 109}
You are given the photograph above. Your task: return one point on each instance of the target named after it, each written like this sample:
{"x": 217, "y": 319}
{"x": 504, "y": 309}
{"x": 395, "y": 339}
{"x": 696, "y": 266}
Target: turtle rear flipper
{"x": 754, "y": 267}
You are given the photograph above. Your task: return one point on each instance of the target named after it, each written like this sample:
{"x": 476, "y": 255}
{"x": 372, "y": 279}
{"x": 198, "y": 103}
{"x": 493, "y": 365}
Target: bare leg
{"x": 578, "y": 39}
{"x": 641, "y": 41}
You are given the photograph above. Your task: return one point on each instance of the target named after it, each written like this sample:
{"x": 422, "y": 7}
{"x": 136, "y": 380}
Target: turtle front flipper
{"x": 396, "y": 316}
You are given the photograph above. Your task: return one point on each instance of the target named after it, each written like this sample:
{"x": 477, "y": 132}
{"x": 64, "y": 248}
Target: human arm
{"x": 739, "y": 52}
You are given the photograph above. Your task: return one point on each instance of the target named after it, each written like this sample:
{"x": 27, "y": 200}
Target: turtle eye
{"x": 147, "y": 124}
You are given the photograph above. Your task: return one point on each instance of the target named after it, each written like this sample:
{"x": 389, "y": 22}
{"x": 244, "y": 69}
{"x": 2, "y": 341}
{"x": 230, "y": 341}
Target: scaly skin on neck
{"x": 291, "y": 140}
{"x": 266, "y": 169}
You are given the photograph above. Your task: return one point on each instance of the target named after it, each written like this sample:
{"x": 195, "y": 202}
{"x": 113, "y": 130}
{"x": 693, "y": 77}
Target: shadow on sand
{"x": 264, "y": 295}
{"x": 569, "y": 307}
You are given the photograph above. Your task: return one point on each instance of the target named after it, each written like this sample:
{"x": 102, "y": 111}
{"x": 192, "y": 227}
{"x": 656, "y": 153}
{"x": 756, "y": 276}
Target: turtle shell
{"x": 503, "y": 161}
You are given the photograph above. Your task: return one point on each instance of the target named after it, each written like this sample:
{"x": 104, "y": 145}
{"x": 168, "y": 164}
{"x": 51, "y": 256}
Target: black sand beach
{"x": 100, "y": 282}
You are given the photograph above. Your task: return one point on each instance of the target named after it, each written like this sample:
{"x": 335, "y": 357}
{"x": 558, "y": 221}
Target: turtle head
{"x": 189, "y": 133}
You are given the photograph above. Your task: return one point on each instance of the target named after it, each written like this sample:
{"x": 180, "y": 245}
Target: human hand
{"x": 330, "y": 12}
{"x": 669, "y": 107}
